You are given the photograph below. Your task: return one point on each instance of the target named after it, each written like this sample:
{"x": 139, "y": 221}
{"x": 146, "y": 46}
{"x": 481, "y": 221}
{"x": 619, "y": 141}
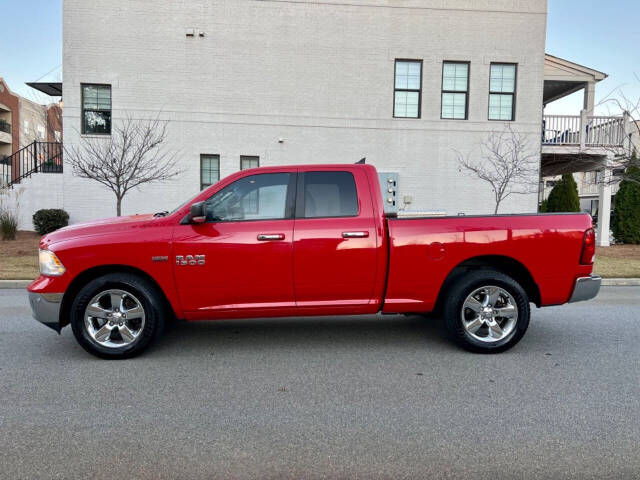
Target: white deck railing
{"x": 584, "y": 130}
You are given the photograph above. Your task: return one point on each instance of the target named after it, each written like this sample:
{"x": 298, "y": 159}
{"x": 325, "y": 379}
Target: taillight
{"x": 588, "y": 247}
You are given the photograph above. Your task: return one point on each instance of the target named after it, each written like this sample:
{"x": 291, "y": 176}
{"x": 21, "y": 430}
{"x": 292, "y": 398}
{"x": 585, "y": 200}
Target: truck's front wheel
{"x": 486, "y": 311}
{"x": 117, "y": 315}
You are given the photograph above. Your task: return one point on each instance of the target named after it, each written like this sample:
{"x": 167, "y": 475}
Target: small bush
{"x": 48, "y": 220}
{"x": 564, "y": 196}
{"x": 626, "y": 215}
{"x": 8, "y": 225}
{"x": 544, "y": 208}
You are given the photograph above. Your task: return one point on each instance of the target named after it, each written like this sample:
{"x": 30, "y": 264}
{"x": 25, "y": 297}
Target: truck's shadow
{"x": 330, "y": 334}
{"x": 305, "y": 333}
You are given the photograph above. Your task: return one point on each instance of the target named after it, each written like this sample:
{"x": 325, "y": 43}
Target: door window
{"x": 256, "y": 197}
{"x": 328, "y": 194}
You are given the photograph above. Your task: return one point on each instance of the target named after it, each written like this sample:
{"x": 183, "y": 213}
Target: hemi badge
{"x": 159, "y": 259}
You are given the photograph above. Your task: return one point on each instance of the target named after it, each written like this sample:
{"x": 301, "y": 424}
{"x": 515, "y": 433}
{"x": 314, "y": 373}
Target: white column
{"x": 583, "y": 129}
{"x": 604, "y": 207}
{"x": 589, "y": 97}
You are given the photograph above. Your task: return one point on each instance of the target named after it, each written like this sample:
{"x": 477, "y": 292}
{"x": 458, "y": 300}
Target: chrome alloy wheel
{"x": 489, "y": 314}
{"x": 114, "y": 318}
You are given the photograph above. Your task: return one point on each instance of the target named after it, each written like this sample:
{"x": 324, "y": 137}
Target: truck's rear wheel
{"x": 117, "y": 315}
{"x": 486, "y": 311}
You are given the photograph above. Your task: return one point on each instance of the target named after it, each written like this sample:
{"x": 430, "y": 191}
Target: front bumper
{"x": 586, "y": 288}
{"x": 46, "y": 308}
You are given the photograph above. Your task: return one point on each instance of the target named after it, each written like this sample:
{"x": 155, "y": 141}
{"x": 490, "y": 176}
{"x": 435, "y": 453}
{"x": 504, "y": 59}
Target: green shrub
{"x": 8, "y": 225}
{"x": 564, "y": 196}
{"x": 626, "y": 215}
{"x": 544, "y": 206}
{"x": 48, "y": 220}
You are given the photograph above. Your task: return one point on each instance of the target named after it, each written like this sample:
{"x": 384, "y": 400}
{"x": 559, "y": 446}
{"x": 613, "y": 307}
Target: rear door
{"x": 334, "y": 241}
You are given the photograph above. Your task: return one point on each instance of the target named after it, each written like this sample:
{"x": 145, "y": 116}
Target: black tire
{"x": 143, "y": 290}
{"x": 464, "y": 286}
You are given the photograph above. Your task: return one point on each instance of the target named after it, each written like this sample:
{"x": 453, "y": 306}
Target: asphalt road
{"x": 378, "y": 397}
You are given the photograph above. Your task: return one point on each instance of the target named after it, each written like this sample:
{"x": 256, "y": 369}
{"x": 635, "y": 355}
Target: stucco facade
{"x": 302, "y": 82}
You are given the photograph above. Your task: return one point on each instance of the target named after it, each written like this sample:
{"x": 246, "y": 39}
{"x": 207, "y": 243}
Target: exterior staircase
{"x": 37, "y": 157}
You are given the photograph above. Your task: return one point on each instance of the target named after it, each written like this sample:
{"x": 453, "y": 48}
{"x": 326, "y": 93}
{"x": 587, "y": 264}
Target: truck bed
{"x": 424, "y": 251}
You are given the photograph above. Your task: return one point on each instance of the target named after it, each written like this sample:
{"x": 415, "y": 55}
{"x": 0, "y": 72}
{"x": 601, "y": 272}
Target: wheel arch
{"x": 94, "y": 272}
{"x": 504, "y": 264}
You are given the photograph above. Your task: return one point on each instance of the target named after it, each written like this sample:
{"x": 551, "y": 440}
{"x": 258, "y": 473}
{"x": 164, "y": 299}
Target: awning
{"x": 53, "y": 89}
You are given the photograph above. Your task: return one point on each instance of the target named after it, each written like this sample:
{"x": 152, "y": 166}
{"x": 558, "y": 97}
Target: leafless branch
{"x": 506, "y": 163}
{"x": 625, "y": 156}
{"x": 134, "y": 154}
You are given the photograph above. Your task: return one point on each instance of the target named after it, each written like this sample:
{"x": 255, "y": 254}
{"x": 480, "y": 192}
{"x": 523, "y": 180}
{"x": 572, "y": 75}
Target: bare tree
{"x": 134, "y": 154}
{"x": 506, "y": 163}
{"x": 628, "y": 154}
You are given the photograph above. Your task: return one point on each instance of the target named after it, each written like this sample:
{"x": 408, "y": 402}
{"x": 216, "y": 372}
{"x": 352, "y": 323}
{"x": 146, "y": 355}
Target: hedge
{"x": 48, "y": 220}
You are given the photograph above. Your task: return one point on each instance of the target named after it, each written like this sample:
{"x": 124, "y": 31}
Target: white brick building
{"x": 306, "y": 81}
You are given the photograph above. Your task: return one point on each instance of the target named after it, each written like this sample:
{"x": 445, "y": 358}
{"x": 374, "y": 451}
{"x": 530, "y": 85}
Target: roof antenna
{"x": 362, "y": 161}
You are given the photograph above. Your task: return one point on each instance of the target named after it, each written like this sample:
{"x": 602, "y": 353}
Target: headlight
{"x": 50, "y": 265}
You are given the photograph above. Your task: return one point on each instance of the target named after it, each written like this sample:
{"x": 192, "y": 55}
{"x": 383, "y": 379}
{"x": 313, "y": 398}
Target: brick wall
{"x": 54, "y": 123}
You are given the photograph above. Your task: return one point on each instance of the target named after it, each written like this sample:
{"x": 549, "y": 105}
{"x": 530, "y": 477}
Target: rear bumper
{"x": 46, "y": 308}
{"x": 586, "y": 288}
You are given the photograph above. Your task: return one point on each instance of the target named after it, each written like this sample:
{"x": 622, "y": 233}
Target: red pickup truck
{"x": 303, "y": 241}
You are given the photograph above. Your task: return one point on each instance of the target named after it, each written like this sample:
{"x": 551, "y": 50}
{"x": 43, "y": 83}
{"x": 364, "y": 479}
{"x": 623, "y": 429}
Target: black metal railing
{"x": 37, "y": 157}
{"x": 5, "y": 127}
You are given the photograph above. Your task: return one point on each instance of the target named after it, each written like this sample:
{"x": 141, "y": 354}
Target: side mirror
{"x": 198, "y": 213}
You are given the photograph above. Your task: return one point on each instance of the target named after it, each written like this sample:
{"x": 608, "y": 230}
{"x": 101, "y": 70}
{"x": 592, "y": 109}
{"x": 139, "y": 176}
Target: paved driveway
{"x": 377, "y": 397}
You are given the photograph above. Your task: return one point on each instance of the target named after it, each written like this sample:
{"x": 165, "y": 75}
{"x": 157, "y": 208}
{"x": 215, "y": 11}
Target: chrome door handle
{"x": 355, "y": 234}
{"x": 268, "y": 237}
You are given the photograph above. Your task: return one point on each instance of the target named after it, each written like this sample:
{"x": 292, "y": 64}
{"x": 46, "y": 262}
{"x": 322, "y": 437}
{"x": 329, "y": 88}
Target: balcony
{"x": 5, "y": 132}
{"x": 583, "y": 131}
{"x": 5, "y": 127}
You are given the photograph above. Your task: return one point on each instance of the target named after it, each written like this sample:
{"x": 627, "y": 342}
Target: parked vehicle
{"x": 303, "y": 241}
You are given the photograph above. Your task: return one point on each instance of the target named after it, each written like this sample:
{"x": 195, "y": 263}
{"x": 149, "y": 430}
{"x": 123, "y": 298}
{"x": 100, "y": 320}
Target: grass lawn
{"x": 19, "y": 259}
{"x": 618, "y": 261}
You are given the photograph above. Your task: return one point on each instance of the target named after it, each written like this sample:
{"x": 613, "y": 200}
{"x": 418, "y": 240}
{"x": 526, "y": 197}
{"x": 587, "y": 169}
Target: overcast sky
{"x": 604, "y": 35}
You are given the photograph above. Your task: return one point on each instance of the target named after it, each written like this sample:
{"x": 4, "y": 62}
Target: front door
{"x": 241, "y": 258}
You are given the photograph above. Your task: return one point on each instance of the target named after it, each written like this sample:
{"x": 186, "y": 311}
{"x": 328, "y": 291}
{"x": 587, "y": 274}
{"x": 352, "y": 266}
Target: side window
{"x": 257, "y": 197}
{"x": 209, "y": 170}
{"x": 502, "y": 91}
{"x": 407, "y": 94}
{"x": 249, "y": 161}
{"x": 455, "y": 90}
{"x": 329, "y": 194}
{"x": 96, "y": 109}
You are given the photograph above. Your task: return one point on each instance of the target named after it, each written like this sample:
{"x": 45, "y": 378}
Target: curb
{"x": 606, "y": 282}
{"x": 15, "y": 284}
{"x": 621, "y": 282}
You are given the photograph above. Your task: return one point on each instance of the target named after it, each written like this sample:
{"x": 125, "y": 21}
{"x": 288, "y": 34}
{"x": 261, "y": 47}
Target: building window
{"x": 26, "y": 127}
{"x": 96, "y": 109}
{"x": 209, "y": 170}
{"x": 408, "y": 89}
{"x": 249, "y": 161}
{"x": 455, "y": 90}
{"x": 502, "y": 91}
